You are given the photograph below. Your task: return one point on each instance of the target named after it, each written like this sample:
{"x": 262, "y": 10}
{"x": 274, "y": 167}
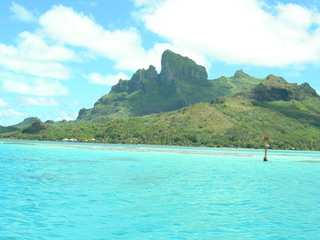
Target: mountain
{"x": 180, "y": 106}
{"x": 34, "y": 128}
{"x": 26, "y": 122}
{"x": 289, "y": 114}
{"x": 180, "y": 83}
{"x": 277, "y": 89}
{"x": 7, "y": 129}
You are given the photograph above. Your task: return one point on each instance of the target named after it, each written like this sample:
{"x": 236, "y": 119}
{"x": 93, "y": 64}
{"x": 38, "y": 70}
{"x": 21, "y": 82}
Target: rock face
{"x": 34, "y": 128}
{"x": 176, "y": 67}
{"x": 136, "y": 82}
{"x": 277, "y": 89}
{"x": 181, "y": 83}
{"x": 240, "y": 74}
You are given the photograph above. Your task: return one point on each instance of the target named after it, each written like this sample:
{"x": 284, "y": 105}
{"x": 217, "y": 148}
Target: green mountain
{"x": 180, "y": 83}
{"x": 26, "y": 122}
{"x": 180, "y": 106}
{"x": 277, "y": 89}
{"x": 7, "y": 129}
{"x": 289, "y": 114}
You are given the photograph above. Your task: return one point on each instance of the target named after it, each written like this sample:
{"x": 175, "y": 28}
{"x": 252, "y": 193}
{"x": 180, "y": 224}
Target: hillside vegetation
{"x": 237, "y": 122}
{"x": 180, "y": 106}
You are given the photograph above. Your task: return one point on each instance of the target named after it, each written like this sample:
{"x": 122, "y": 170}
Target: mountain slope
{"x": 180, "y": 83}
{"x": 7, "y": 129}
{"x": 180, "y": 106}
{"x": 241, "y": 120}
{"x": 26, "y": 122}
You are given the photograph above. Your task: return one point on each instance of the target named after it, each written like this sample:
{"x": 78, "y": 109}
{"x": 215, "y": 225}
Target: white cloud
{"x": 3, "y": 103}
{"x": 124, "y": 47}
{"x": 139, "y": 3}
{"x": 33, "y": 56}
{"x": 33, "y": 47}
{"x": 31, "y": 86}
{"x": 39, "y": 101}
{"x": 66, "y": 116}
{"x": 109, "y": 80}
{"x": 40, "y": 87}
{"x": 11, "y": 113}
{"x": 20, "y": 13}
{"x": 237, "y": 31}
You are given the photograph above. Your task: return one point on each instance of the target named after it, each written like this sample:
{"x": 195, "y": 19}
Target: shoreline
{"x": 128, "y": 145}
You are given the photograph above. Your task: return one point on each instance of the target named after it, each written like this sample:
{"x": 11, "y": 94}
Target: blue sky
{"x": 58, "y": 56}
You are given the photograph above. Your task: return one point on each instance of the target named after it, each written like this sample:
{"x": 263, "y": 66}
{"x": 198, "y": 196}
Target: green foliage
{"x": 26, "y": 122}
{"x": 238, "y": 122}
{"x": 277, "y": 89}
{"x": 7, "y": 129}
{"x": 280, "y": 121}
{"x": 34, "y": 128}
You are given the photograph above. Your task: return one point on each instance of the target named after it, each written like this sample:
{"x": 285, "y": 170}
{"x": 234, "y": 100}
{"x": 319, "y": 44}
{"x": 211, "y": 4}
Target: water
{"x": 94, "y": 191}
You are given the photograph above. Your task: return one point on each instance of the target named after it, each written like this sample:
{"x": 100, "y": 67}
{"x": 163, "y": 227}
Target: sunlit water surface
{"x": 95, "y": 191}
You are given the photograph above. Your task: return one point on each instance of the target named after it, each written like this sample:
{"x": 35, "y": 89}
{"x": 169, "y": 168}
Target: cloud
{"x": 3, "y": 103}
{"x": 124, "y": 46}
{"x": 109, "y": 80}
{"x": 40, "y": 87}
{"x": 33, "y": 47}
{"x": 11, "y": 113}
{"x": 64, "y": 115}
{"x": 237, "y": 31}
{"x": 39, "y": 101}
{"x": 34, "y": 56}
{"x": 20, "y": 13}
{"x": 31, "y": 86}
{"x": 139, "y": 3}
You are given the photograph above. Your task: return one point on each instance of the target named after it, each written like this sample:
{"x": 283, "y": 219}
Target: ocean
{"x": 103, "y": 191}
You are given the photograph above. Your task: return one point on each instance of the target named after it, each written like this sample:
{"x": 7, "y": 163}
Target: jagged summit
{"x": 27, "y": 121}
{"x": 275, "y": 80}
{"x": 175, "y": 66}
{"x": 181, "y": 82}
{"x": 240, "y": 74}
{"x": 277, "y": 89}
{"x": 136, "y": 82}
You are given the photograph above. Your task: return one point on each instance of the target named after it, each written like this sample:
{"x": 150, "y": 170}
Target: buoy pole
{"x": 265, "y": 153}
{"x": 266, "y": 139}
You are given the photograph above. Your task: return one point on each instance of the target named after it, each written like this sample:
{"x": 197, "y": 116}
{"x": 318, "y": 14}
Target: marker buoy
{"x": 266, "y": 139}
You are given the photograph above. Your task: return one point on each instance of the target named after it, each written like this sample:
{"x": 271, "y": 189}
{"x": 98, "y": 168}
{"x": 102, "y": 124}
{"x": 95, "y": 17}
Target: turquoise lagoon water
{"x": 95, "y": 191}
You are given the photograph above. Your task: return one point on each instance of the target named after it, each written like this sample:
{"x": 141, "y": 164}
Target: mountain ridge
{"x": 181, "y": 82}
{"x": 288, "y": 113}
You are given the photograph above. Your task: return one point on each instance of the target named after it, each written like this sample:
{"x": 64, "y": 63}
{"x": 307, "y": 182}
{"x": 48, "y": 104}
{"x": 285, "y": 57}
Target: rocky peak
{"x": 275, "y": 80}
{"x": 175, "y": 66}
{"x": 137, "y": 80}
{"x": 305, "y": 87}
{"x": 240, "y": 74}
{"x": 121, "y": 86}
{"x": 277, "y": 89}
{"x": 27, "y": 122}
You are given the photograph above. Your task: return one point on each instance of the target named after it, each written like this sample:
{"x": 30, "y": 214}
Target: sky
{"x": 58, "y": 56}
